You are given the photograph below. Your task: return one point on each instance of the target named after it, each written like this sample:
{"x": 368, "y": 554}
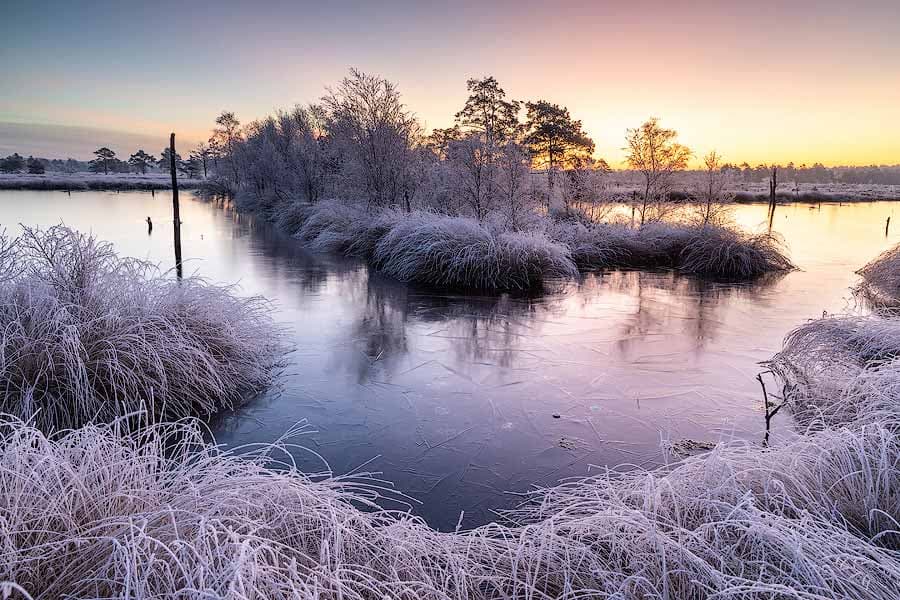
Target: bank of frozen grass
{"x": 74, "y": 182}
{"x": 459, "y": 252}
{"x": 712, "y": 251}
{"x": 843, "y": 368}
{"x": 86, "y": 335}
{"x": 814, "y": 193}
{"x": 160, "y": 514}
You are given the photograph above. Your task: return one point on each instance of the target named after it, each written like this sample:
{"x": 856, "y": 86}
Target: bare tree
{"x": 202, "y": 153}
{"x": 584, "y": 188}
{"x": 653, "y": 151}
{"x": 471, "y": 162}
{"x": 224, "y": 141}
{"x": 711, "y": 189}
{"x": 512, "y": 174}
{"x": 375, "y": 134}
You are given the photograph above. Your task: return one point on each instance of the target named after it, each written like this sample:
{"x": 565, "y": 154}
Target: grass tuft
{"x": 88, "y": 336}
{"x": 880, "y": 283}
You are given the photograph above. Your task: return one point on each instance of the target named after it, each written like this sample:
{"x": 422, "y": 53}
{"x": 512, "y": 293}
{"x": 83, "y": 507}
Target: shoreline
{"x": 96, "y": 182}
{"x": 66, "y": 182}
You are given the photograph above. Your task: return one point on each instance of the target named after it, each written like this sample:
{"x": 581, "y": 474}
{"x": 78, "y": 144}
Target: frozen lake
{"x": 458, "y": 400}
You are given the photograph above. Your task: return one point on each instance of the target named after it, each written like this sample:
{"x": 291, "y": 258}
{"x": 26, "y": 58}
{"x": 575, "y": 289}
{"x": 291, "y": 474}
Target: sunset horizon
{"x": 820, "y": 85}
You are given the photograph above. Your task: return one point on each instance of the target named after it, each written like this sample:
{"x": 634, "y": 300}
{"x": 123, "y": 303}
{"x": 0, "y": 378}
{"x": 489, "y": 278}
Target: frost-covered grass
{"x": 711, "y": 251}
{"x": 843, "y": 368}
{"x": 86, "y": 335}
{"x": 94, "y": 181}
{"x": 160, "y": 514}
{"x": 430, "y": 249}
{"x": 459, "y": 252}
{"x": 880, "y": 283}
{"x": 621, "y": 186}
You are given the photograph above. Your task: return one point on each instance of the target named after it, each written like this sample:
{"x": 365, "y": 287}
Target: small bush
{"x": 708, "y": 251}
{"x": 457, "y": 252}
{"x": 331, "y": 227}
{"x": 724, "y": 253}
{"x": 88, "y": 336}
{"x": 880, "y": 283}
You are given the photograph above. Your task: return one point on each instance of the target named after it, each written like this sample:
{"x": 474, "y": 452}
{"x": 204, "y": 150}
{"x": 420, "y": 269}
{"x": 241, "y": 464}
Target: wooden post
{"x": 175, "y": 212}
{"x": 773, "y": 183}
{"x": 633, "y": 203}
{"x": 887, "y": 226}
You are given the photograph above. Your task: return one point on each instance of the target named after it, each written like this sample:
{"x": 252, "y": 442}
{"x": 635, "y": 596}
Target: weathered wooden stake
{"x": 175, "y": 212}
{"x": 773, "y": 183}
{"x": 633, "y": 202}
{"x": 887, "y": 226}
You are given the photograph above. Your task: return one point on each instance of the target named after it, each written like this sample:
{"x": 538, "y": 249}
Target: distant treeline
{"x": 817, "y": 173}
{"x": 194, "y": 166}
{"x": 106, "y": 161}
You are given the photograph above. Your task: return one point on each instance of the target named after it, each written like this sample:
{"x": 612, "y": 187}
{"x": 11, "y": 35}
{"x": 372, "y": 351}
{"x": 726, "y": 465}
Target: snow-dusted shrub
{"x": 457, "y": 252}
{"x": 660, "y": 243}
{"x": 837, "y": 369}
{"x": 88, "y": 336}
{"x": 370, "y": 230}
{"x": 709, "y": 251}
{"x": 726, "y": 253}
{"x": 881, "y": 279}
{"x": 595, "y": 245}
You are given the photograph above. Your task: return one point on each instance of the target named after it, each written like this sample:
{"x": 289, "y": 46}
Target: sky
{"x": 759, "y": 81}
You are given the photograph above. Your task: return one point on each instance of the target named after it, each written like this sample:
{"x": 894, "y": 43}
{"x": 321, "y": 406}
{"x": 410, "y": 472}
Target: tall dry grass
{"x": 880, "y": 284}
{"x": 712, "y": 251}
{"x": 86, "y": 336}
{"x": 157, "y": 513}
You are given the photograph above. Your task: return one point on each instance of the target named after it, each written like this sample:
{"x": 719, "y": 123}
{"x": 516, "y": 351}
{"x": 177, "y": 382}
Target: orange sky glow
{"x": 759, "y": 82}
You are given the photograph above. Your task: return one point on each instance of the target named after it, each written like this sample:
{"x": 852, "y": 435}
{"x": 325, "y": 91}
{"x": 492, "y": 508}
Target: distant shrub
{"x": 89, "y": 336}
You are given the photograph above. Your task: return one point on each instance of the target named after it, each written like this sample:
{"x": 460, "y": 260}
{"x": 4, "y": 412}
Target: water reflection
{"x": 501, "y": 331}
